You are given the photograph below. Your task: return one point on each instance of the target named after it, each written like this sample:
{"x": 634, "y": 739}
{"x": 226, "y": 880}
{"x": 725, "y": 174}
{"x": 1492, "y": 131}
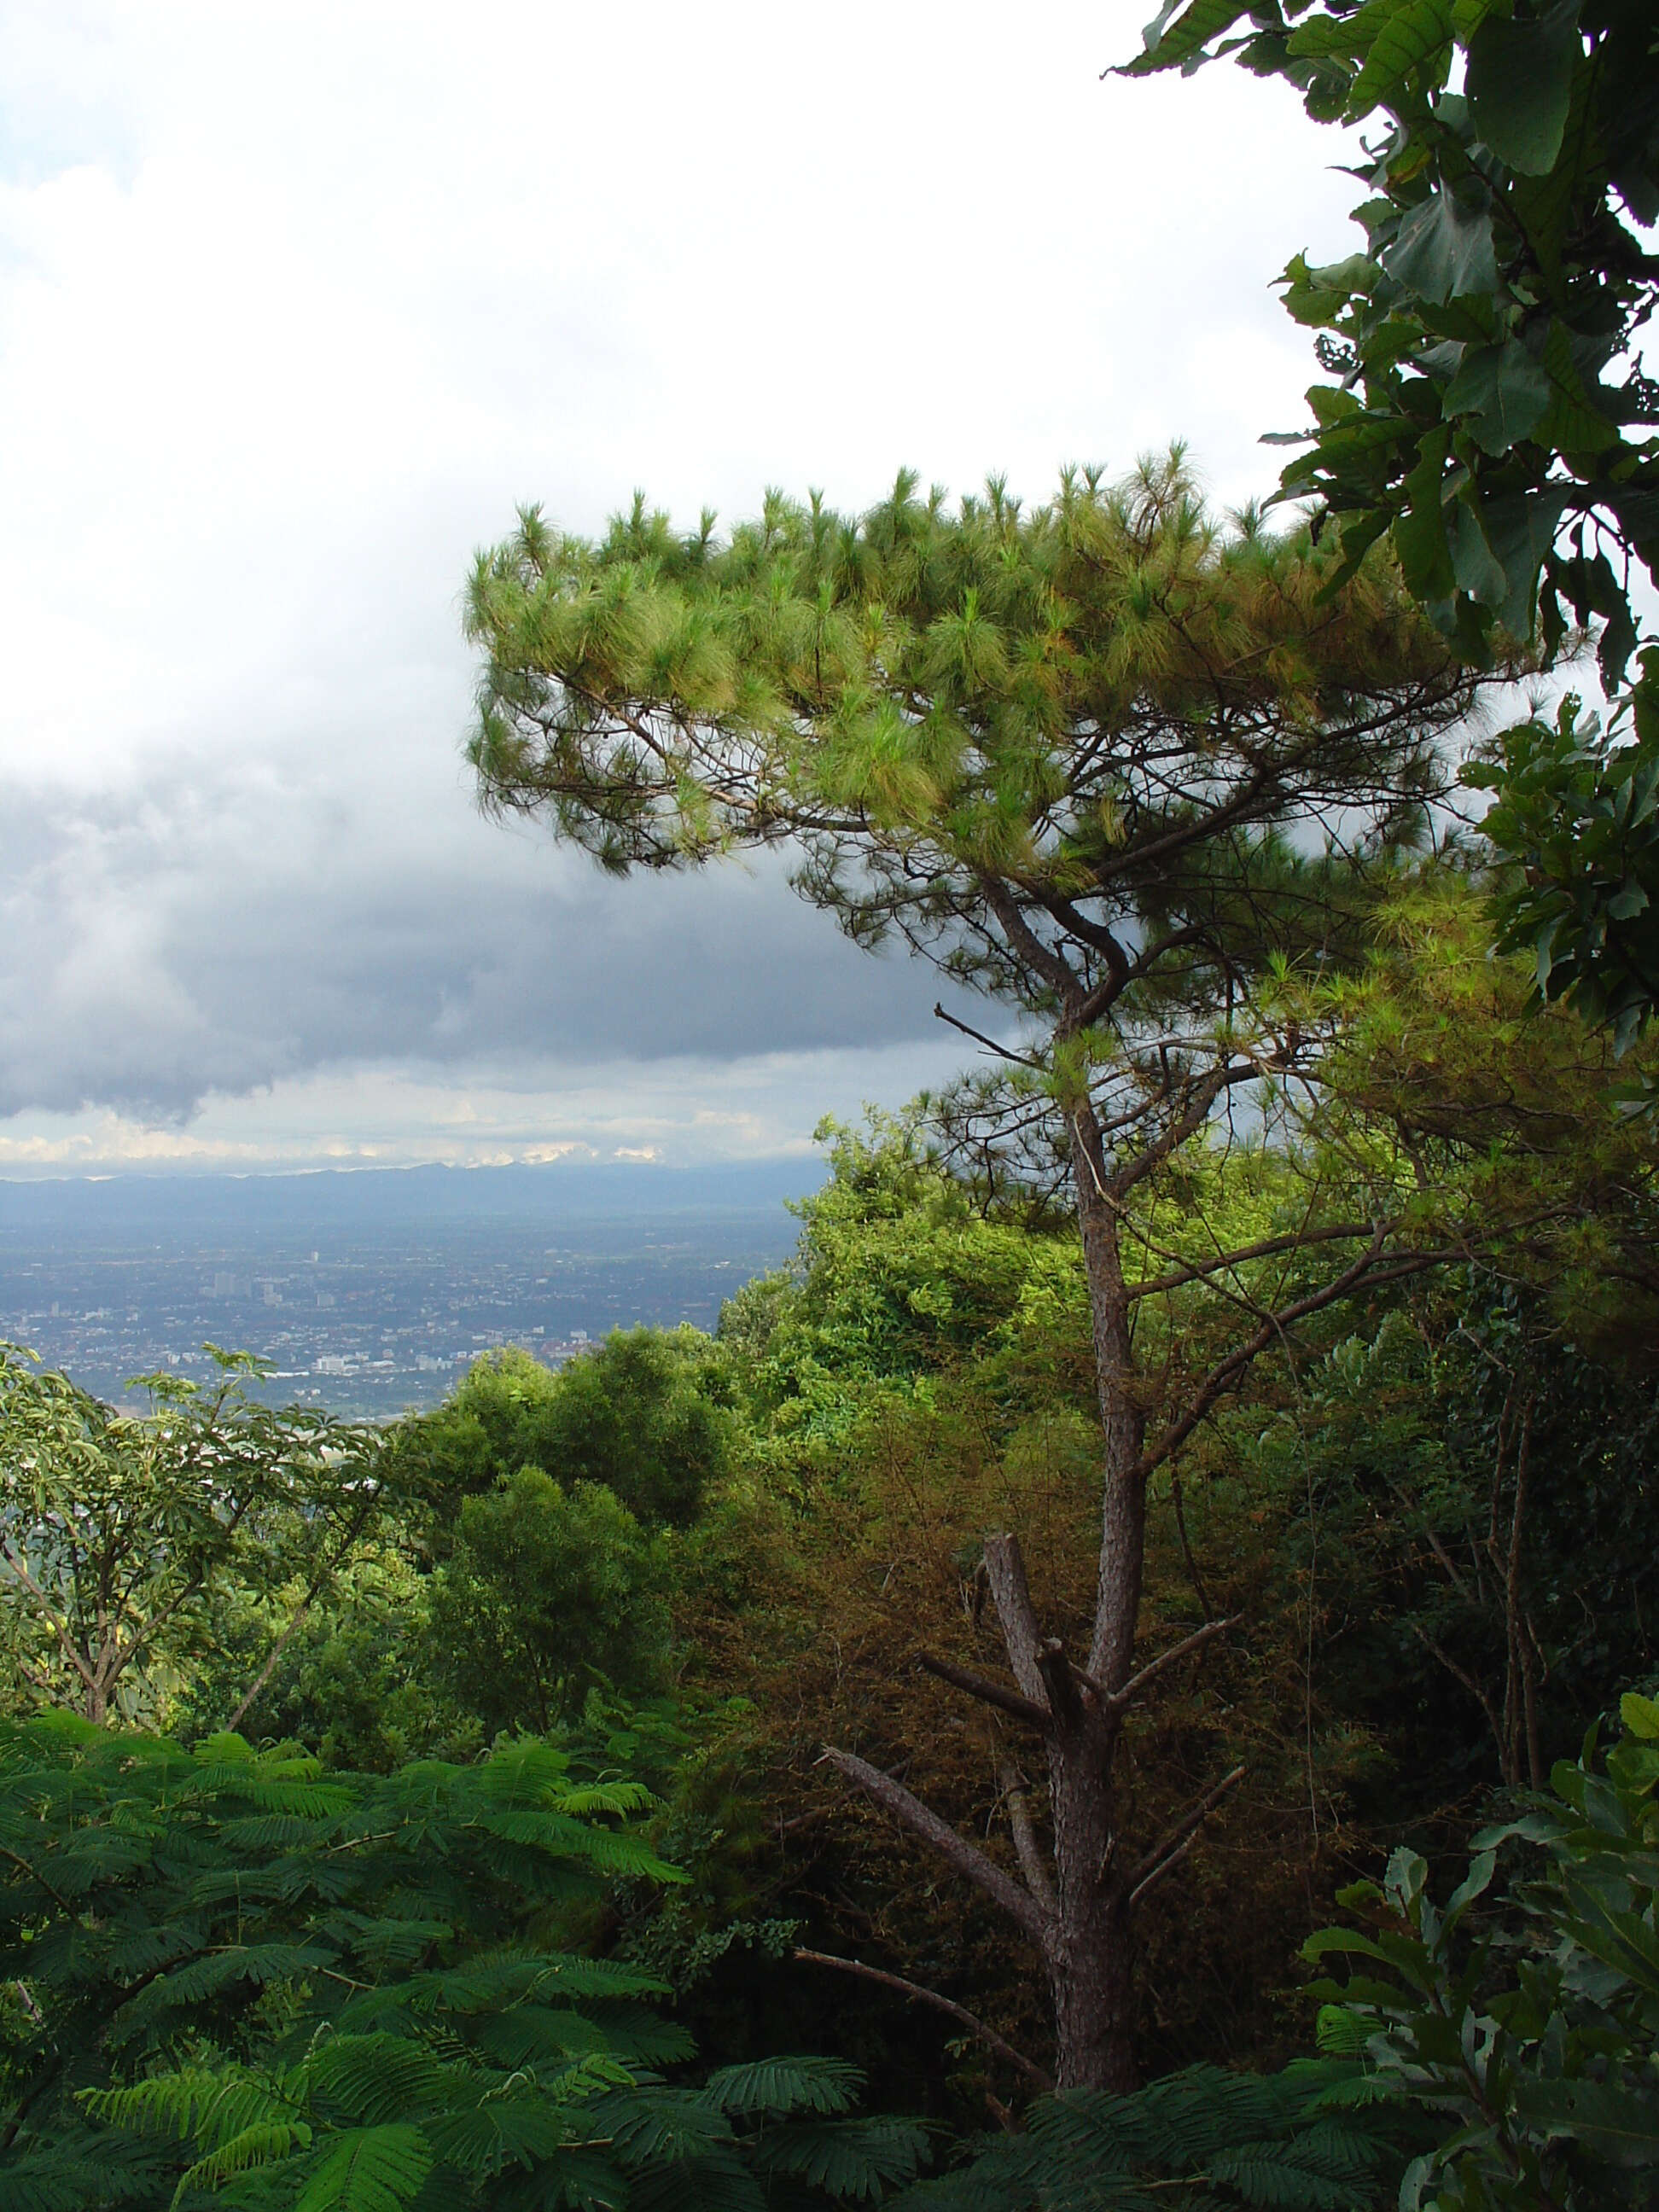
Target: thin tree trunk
{"x": 1080, "y": 1919}
{"x": 320, "y": 1583}
{"x": 1520, "y": 1716}
{"x": 1123, "y": 1419}
{"x": 1091, "y": 1955}
{"x": 274, "y": 1660}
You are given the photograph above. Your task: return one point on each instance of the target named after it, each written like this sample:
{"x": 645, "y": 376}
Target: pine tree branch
{"x": 987, "y": 1691}
{"x": 971, "y": 2021}
{"x": 1019, "y": 1059}
{"x": 893, "y": 1797}
{"x": 1373, "y": 1267}
{"x": 1137, "y": 1683}
{"x": 1005, "y": 1571}
{"x": 1200, "y": 1097}
{"x": 1292, "y": 1240}
{"x": 1027, "y": 1848}
{"x": 1055, "y": 970}
{"x": 1175, "y": 1841}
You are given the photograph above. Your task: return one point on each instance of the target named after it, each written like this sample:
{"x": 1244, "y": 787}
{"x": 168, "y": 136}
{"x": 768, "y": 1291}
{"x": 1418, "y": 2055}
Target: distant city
{"x": 371, "y": 1294}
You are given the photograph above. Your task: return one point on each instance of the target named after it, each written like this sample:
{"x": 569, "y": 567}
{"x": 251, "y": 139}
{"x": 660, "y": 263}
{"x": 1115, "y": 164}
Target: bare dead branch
{"x": 1462, "y": 1674}
{"x": 1137, "y": 1683}
{"x": 893, "y": 1797}
{"x": 1373, "y": 1267}
{"x": 987, "y": 1691}
{"x": 971, "y": 2021}
{"x": 1268, "y": 1248}
{"x": 1057, "y": 1675}
{"x": 1027, "y": 1848}
{"x": 1176, "y": 1840}
{"x": 1005, "y": 1571}
{"x": 1020, "y": 1059}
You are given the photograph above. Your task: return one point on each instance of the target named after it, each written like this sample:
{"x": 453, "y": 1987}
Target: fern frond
{"x": 651, "y": 2125}
{"x": 533, "y": 2035}
{"x": 258, "y": 2145}
{"x": 715, "y": 2183}
{"x": 853, "y": 2161}
{"x": 68, "y": 2176}
{"x": 578, "y": 2180}
{"x": 261, "y": 1832}
{"x": 374, "y": 2078}
{"x": 500, "y": 2131}
{"x": 377, "y": 2169}
{"x": 608, "y": 1849}
{"x": 1304, "y": 2175}
{"x": 617, "y": 1797}
{"x": 205, "y": 1977}
{"x": 783, "y": 2085}
{"x": 196, "y": 2102}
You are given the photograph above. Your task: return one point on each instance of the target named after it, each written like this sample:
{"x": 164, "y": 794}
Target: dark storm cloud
{"x": 221, "y": 930}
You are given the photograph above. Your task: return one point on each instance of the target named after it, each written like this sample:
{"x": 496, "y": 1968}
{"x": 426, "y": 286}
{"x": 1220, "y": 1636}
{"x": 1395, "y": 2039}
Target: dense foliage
{"x": 308, "y": 1975}
{"x": 123, "y": 1536}
{"x": 1205, "y": 1456}
{"x": 1529, "y": 2034}
{"x": 1489, "y": 409}
{"x": 237, "y": 1978}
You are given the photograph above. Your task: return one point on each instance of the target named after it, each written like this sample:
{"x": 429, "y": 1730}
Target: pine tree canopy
{"x": 1001, "y": 732}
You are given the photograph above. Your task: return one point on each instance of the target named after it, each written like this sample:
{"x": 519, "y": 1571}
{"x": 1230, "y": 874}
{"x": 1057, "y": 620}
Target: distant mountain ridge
{"x": 342, "y": 1198}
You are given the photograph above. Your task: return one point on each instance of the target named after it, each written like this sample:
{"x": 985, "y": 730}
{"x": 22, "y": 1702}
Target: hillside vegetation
{"x": 456, "y": 1826}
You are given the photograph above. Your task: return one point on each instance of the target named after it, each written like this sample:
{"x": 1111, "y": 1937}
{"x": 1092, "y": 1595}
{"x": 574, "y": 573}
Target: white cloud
{"x": 682, "y": 1111}
{"x": 297, "y": 300}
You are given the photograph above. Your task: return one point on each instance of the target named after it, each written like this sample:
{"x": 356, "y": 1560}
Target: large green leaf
{"x": 1411, "y": 33}
{"x": 1503, "y": 391}
{"x": 1168, "y": 43}
{"x": 1444, "y": 245}
{"x": 1521, "y": 530}
{"x": 1621, "y": 2125}
{"x": 1520, "y": 85}
{"x": 1419, "y": 530}
{"x": 1477, "y": 569}
{"x": 783, "y": 2085}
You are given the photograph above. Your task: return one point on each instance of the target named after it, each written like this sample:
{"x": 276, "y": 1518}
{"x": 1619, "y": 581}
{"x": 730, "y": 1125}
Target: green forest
{"x": 1124, "y": 1676}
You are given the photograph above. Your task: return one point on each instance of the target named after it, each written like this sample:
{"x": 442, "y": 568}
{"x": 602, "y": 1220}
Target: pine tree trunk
{"x": 1091, "y": 1960}
{"x": 1077, "y": 1906}
{"x": 1090, "y": 1956}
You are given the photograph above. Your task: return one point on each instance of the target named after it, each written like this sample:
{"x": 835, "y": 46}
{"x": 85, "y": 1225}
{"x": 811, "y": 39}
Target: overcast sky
{"x": 297, "y": 301}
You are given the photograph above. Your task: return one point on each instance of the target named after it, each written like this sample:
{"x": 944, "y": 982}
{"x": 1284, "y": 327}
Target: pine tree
{"x": 1127, "y": 772}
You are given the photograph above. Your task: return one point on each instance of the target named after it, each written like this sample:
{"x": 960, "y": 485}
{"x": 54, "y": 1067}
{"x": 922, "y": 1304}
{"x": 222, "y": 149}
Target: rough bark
{"x": 1091, "y": 1958}
{"x": 1092, "y": 1968}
